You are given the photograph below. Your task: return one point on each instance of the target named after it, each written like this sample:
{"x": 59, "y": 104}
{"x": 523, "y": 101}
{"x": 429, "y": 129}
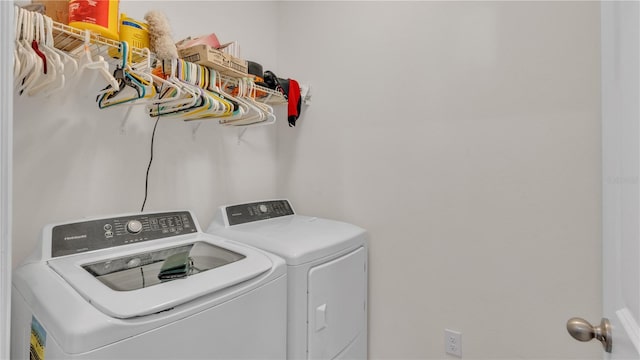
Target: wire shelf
{"x": 71, "y": 40}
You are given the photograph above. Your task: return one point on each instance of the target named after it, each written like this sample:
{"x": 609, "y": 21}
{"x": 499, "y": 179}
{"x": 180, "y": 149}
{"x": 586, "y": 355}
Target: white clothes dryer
{"x": 326, "y": 269}
{"x": 149, "y": 285}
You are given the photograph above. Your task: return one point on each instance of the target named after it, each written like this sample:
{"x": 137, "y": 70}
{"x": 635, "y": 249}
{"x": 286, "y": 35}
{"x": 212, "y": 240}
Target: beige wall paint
{"x": 465, "y": 136}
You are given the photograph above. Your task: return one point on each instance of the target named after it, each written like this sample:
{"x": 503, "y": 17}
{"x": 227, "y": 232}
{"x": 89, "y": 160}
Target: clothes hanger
{"x": 260, "y": 109}
{"x": 40, "y": 65}
{"x": 70, "y": 64}
{"x": 129, "y": 87}
{"x": 186, "y": 74}
{"x": 36, "y": 68}
{"x": 251, "y": 95}
{"x": 217, "y": 106}
{"x": 58, "y": 63}
{"x": 26, "y": 56}
{"x": 191, "y": 100}
{"x": 243, "y": 111}
{"x": 87, "y": 63}
{"x": 173, "y": 99}
{"x": 231, "y": 105}
{"x": 141, "y": 72}
{"x": 24, "y": 63}
{"x": 253, "y": 115}
{"x": 17, "y": 63}
{"x": 166, "y": 90}
{"x": 131, "y": 76}
{"x": 53, "y": 70}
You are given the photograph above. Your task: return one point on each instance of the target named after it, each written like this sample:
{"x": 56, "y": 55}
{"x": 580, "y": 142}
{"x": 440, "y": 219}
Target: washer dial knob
{"x": 134, "y": 226}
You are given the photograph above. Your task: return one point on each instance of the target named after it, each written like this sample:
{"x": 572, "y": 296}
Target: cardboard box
{"x": 206, "y": 55}
{"x": 56, "y": 10}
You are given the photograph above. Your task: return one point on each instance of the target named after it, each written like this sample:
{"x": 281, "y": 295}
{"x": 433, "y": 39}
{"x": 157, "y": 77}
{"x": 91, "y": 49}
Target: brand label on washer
{"x": 38, "y": 340}
{"x": 74, "y": 238}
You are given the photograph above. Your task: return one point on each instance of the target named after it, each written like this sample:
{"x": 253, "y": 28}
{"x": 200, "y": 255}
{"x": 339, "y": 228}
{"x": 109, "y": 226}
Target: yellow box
{"x": 135, "y": 33}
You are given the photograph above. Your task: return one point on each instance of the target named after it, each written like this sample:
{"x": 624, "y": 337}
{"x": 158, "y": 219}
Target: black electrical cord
{"x": 146, "y": 179}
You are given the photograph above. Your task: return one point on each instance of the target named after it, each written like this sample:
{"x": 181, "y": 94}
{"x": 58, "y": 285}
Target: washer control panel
{"x": 244, "y": 213}
{"x": 91, "y": 235}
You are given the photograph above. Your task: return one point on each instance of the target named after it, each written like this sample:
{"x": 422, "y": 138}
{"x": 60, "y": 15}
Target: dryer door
{"x": 337, "y": 305}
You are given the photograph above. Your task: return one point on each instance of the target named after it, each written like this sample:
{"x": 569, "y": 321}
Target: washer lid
{"x": 296, "y": 238}
{"x": 151, "y": 278}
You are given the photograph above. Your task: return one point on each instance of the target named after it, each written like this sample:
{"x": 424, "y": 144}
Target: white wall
{"x": 6, "y": 116}
{"x": 465, "y": 136}
{"x": 72, "y": 160}
{"x": 620, "y": 26}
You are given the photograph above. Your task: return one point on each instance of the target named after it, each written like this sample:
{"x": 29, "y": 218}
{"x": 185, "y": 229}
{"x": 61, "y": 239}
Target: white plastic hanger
{"x": 268, "y": 109}
{"x": 53, "y": 72}
{"x": 232, "y": 107}
{"x": 29, "y": 58}
{"x": 19, "y": 48}
{"x": 87, "y": 63}
{"x": 256, "y": 112}
{"x": 70, "y": 64}
{"x": 59, "y": 56}
{"x": 28, "y": 39}
{"x": 192, "y": 101}
{"x": 216, "y": 105}
{"x": 142, "y": 72}
{"x": 212, "y": 106}
{"x": 17, "y": 64}
{"x": 128, "y": 89}
{"x": 167, "y": 90}
{"x": 175, "y": 105}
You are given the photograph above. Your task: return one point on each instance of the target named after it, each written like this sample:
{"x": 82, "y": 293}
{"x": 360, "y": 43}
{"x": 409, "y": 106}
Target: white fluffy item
{"x": 160, "y": 39}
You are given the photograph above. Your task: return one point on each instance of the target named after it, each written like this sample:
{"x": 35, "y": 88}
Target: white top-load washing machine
{"x": 149, "y": 285}
{"x": 327, "y": 275}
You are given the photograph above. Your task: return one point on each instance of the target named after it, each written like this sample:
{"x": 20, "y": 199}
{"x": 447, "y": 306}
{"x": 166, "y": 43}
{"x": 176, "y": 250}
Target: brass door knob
{"x": 582, "y": 330}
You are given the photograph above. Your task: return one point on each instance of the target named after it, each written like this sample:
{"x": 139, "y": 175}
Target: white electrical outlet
{"x": 453, "y": 342}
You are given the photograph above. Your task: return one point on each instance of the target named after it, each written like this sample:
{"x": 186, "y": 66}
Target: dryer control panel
{"x": 91, "y": 235}
{"x": 261, "y": 210}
